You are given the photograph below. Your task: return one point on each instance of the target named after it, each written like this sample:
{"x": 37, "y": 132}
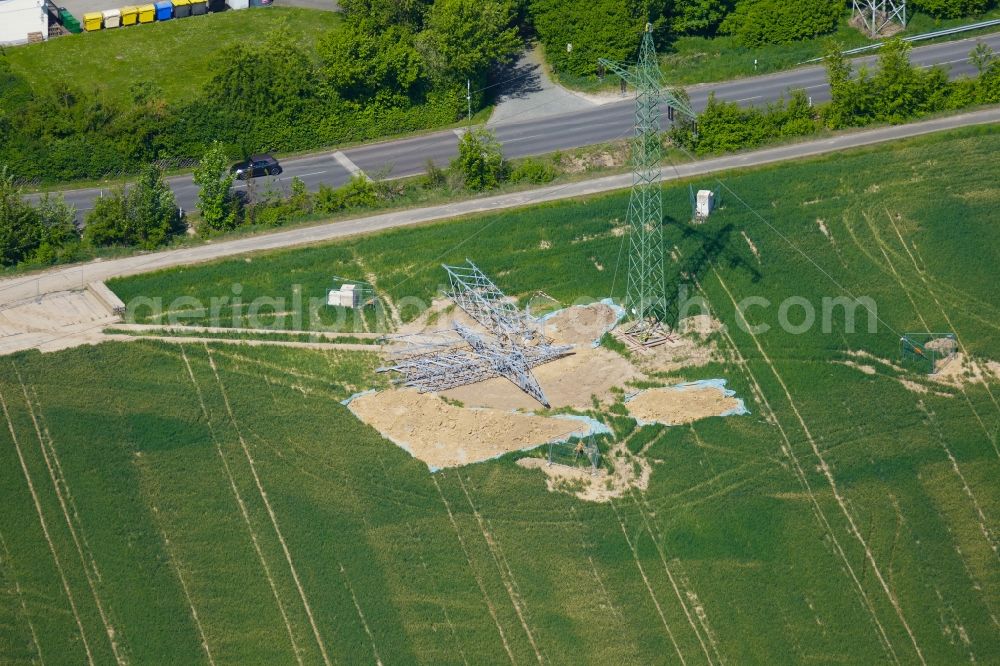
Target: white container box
{"x": 705, "y": 203}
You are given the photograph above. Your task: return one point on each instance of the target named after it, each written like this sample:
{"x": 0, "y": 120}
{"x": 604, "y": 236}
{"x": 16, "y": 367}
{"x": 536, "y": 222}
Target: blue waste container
{"x": 164, "y": 10}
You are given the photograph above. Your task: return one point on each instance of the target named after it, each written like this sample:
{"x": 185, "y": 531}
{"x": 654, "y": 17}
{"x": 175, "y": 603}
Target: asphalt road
{"x": 26, "y": 287}
{"x": 540, "y": 135}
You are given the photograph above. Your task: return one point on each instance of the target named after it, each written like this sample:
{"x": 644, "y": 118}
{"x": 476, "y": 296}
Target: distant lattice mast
{"x": 876, "y": 15}
{"x": 645, "y": 296}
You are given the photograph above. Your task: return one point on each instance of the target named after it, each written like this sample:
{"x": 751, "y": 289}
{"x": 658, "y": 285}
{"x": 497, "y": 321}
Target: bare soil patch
{"x": 752, "y": 245}
{"x": 568, "y": 382}
{"x": 581, "y": 324}
{"x": 629, "y": 472}
{"x": 688, "y": 350}
{"x": 674, "y": 406}
{"x": 442, "y": 314}
{"x": 913, "y": 386}
{"x": 702, "y": 325}
{"x": 446, "y": 435}
{"x": 824, "y": 230}
{"x": 959, "y": 372}
{"x": 864, "y": 368}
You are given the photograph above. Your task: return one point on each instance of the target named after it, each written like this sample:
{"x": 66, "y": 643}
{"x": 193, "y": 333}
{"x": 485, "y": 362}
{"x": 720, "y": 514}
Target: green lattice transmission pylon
{"x": 645, "y": 296}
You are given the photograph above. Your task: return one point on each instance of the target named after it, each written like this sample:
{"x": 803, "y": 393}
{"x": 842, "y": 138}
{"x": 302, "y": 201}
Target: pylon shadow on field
{"x": 711, "y": 247}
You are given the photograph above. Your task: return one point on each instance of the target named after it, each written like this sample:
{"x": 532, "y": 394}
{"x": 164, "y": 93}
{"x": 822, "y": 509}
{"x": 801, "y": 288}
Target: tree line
{"x": 386, "y": 70}
{"x": 393, "y": 66}
{"x": 576, "y": 34}
{"x": 144, "y": 214}
{"x": 895, "y": 92}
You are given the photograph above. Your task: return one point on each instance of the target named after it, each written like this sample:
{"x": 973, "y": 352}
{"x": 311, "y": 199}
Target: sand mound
{"x": 943, "y": 345}
{"x": 444, "y": 435}
{"x": 674, "y": 406}
{"x": 581, "y": 324}
{"x": 567, "y": 382}
{"x": 681, "y": 352}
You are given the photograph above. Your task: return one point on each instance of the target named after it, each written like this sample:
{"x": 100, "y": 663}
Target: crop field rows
{"x": 205, "y": 503}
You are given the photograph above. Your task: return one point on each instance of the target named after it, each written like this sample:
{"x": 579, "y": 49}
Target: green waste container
{"x": 69, "y": 21}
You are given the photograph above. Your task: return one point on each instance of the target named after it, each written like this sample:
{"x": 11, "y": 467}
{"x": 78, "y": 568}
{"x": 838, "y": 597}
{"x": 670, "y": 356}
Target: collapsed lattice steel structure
{"x": 459, "y": 356}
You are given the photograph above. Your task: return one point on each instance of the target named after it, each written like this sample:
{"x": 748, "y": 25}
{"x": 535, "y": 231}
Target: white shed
{"x": 22, "y": 21}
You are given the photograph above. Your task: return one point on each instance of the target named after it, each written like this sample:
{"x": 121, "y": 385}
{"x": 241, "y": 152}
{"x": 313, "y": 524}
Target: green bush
{"x": 896, "y": 93}
{"x": 145, "y": 215}
{"x": 987, "y": 86}
{"x": 950, "y": 8}
{"x": 758, "y": 22}
{"x": 480, "y": 161}
{"x": 533, "y": 171}
{"x": 216, "y": 202}
{"x": 358, "y": 192}
{"x": 41, "y": 233}
{"x": 727, "y": 126}
{"x": 698, "y": 17}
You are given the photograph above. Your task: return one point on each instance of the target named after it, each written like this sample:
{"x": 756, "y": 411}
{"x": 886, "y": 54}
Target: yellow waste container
{"x": 182, "y": 8}
{"x": 130, "y": 15}
{"x": 147, "y": 13}
{"x": 92, "y": 21}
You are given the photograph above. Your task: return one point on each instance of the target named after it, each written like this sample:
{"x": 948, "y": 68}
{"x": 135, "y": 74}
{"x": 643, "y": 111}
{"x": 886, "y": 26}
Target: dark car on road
{"x": 256, "y": 165}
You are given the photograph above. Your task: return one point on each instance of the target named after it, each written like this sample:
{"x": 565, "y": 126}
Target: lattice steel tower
{"x": 646, "y": 299}
{"x": 876, "y": 15}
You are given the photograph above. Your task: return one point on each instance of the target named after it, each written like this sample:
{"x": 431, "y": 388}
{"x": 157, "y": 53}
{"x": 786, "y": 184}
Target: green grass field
{"x": 216, "y": 503}
{"x": 175, "y": 55}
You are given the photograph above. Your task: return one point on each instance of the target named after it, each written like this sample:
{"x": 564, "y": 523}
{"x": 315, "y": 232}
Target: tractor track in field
{"x": 243, "y": 510}
{"x": 987, "y": 533}
{"x": 176, "y": 566}
{"x": 828, "y": 474}
{"x": 649, "y": 520}
{"x": 418, "y": 543}
{"x": 7, "y": 560}
{"x": 361, "y": 614}
{"x": 62, "y": 478}
{"x": 506, "y": 578}
{"x": 976, "y": 585}
{"x": 60, "y": 485}
{"x": 824, "y": 523}
{"x": 615, "y": 610}
{"x": 645, "y": 579}
{"x": 479, "y": 582}
{"x": 45, "y": 530}
{"x": 270, "y": 510}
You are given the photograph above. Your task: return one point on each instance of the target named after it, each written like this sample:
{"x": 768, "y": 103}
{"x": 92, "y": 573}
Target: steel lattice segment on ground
{"x": 482, "y": 300}
{"x": 438, "y": 361}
